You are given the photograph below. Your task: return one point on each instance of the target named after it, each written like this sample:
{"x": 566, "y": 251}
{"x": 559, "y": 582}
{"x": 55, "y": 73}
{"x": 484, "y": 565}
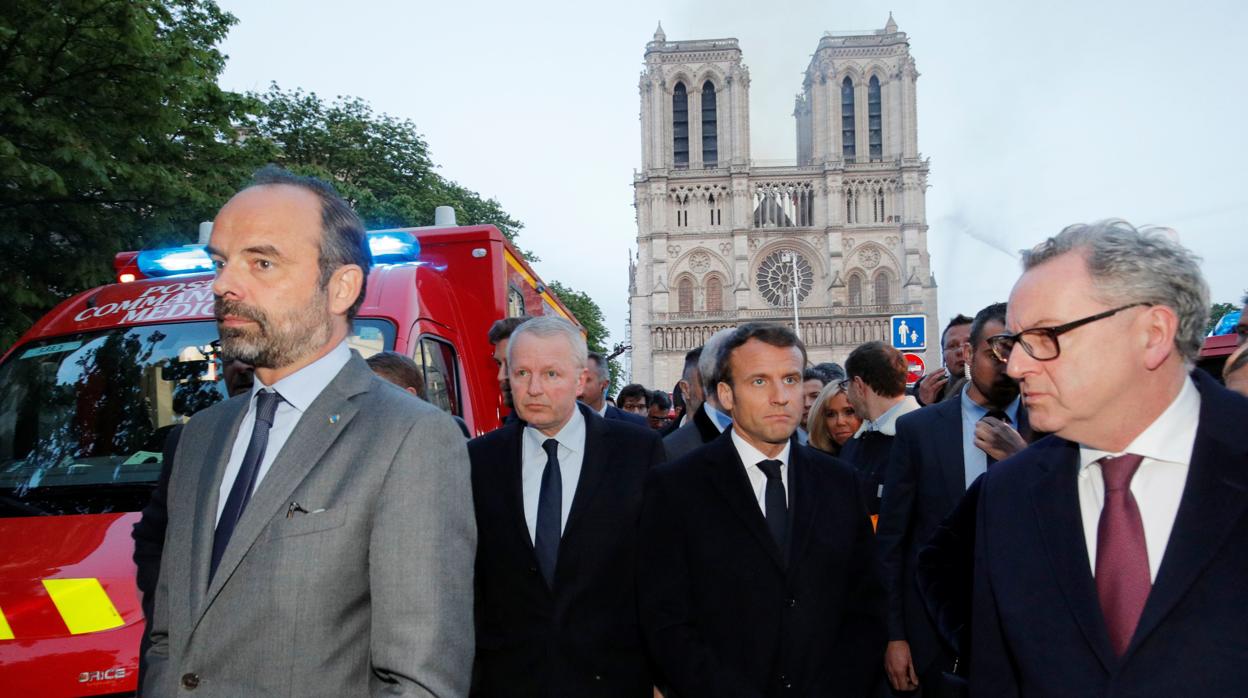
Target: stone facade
{"x": 723, "y": 239}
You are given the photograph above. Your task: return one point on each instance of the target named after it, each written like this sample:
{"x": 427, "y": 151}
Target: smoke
{"x": 957, "y": 223}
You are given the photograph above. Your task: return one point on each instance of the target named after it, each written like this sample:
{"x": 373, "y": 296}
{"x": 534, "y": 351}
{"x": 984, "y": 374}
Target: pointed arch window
{"x": 710, "y": 142}
{"x": 882, "y": 285}
{"x": 684, "y": 294}
{"x": 680, "y": 126}
{"x": 714, "y": 294}
{"x": 875, "y": 130}
{"x": 855, "y": 289}
{"x": 847, "y": 119}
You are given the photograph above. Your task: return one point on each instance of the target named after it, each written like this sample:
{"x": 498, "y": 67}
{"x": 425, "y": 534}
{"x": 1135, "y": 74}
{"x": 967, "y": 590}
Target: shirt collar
{"x": 1170, "y": 438}
{"x": 719, "y": 419}
{"x": 751, "y": 456}
{"x": 602, "y": 412}
{"x": 887, "y": 422}
{"x": 300, "y": 388}
{"x": 571, "y": 436}
{"x": 976, "y": 411}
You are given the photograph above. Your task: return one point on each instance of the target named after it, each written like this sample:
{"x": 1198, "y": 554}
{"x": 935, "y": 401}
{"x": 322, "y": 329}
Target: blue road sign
{"x": 909, "y": 332}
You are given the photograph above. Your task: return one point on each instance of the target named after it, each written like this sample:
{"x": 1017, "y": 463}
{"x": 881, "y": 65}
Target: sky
{"x": 1034, "y": 115}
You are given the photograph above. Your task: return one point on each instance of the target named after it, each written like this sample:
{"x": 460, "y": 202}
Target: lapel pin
{"x": 333, "y": 418}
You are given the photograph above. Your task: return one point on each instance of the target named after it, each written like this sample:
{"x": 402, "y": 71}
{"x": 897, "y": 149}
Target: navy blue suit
{"x": 1037, "y": 624}
{"x": 724, "y": 614}
{"x": 924, "y": 481}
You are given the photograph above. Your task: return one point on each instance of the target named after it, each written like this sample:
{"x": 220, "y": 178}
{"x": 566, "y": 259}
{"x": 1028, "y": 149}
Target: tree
{"x": 379, "y": 163}
{"x": 1216, "y": 311}
{"x": 113, "y": 135}
{"x": 590, "y": 316}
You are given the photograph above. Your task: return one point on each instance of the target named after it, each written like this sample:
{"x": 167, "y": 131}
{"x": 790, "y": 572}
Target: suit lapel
{"x": 1214, "y": 500}
{"x": 513, "y": 484}
{"x": 1055, "y": 496}
{"x": 728, "y": 474}
{"x": 706, "y": 425}
{"x": 593, "y": 468}
{"x": 949, "y": 448}
{"x": 304, "y": 449}
{"x": 213, "y": 456}
{"x": 802, "y": 502}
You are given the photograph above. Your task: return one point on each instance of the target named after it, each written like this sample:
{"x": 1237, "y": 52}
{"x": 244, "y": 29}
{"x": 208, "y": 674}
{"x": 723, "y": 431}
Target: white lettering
{"x": 135, "y": 316}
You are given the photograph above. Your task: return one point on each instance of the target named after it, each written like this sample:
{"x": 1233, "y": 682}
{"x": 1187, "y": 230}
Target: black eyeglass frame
{"x": 995, "y": 341}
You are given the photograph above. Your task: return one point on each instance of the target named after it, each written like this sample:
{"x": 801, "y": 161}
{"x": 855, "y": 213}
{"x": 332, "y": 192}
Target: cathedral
{"x": 835, "y": 240}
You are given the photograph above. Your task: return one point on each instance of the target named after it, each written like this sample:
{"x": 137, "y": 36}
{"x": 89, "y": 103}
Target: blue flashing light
{"x": 393, "y": 247}
{"x": 174, "y": 261}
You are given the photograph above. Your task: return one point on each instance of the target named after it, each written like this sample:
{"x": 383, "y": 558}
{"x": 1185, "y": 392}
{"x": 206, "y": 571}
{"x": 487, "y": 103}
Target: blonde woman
{"x": 832, "y": 420}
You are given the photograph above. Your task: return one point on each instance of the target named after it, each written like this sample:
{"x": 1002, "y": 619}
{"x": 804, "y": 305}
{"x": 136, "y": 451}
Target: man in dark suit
{"x": 595, "y": 395}
{"x": 1109, "y": 556}
{"x": 710, "y": 418}
{"x": 875, "y": 383}
{"x": 757, "y": 569}
{"x": 558, "y": 497}
{"x": 937, "y": 453}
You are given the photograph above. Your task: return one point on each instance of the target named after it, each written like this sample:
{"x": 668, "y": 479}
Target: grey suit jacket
{"x": 368, "y": 593}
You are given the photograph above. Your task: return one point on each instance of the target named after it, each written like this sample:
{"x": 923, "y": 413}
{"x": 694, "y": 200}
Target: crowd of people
{"x": 1058, "y": 511}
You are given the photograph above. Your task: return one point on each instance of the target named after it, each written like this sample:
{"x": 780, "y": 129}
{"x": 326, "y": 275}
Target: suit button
{"x": 792, "y": 603}
{"x": 597, "y": 677}
{"x": 190, "y": 681}
{"x": 784, "y": 682}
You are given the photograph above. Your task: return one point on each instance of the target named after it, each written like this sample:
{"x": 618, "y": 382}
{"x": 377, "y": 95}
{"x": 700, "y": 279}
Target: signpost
{"x": 914, "y": 368}
{"x": 909, "y": 332}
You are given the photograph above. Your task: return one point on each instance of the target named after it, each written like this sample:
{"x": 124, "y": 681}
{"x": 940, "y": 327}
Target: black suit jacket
{"x": 924, "y": 481}
{"x": 698, "y": 431}
{"x": 614, "y": 412}
{"x": 1037, "y": 624}
{"x": 724, "y": 614}
{"x": 582, "y": 637}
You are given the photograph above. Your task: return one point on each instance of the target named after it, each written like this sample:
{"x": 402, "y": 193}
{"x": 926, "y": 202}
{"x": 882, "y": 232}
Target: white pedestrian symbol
{"x": 914, "y": 337}
{"x": 903, "y": 330}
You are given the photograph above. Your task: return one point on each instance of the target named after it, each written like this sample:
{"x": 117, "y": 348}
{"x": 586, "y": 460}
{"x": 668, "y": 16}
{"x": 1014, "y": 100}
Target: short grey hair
{"x": 1130, "y": 265}
{"x": 708, "y": 362}
{"x": 552, "y": 326}
{"x": 597, "y": 363}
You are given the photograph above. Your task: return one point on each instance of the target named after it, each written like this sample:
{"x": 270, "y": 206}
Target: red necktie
{"x": 1122, "y": 577}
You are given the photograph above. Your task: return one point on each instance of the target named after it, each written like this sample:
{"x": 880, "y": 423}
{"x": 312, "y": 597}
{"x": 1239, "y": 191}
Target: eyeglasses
{"x": 1040, "y": 343}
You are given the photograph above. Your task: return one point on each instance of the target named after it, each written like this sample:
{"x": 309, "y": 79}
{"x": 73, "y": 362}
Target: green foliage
{"x": 590, "y": 316}
{"x": 378, "y": 162}
{"x": 113, "y": 135}
{"x": 1216, "y": 311}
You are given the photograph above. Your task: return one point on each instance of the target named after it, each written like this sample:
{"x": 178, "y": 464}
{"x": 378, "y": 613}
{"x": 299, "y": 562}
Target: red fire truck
{"x": 88, "y": 393}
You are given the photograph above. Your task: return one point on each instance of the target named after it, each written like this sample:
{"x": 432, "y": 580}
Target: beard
{"x": 1000, "y": 392}
{"x": 276, "y": 341}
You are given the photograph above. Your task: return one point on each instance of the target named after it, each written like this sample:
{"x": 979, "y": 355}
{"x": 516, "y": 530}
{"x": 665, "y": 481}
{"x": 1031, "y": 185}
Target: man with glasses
{"x": 1110, "y": 556}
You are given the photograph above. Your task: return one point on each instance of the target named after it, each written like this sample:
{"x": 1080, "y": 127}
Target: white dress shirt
{"x": 1166, "y": 446}
{"x": 298, "y": 390}
{"x": 571, "y": 440}
{"x": 750, "y": 458}
{"x": 975, "y": 461}
{"x": 887, "y": 423}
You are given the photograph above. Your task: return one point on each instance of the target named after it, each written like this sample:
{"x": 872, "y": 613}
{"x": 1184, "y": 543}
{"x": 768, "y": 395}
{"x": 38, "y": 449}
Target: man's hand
{"x": 900, "y": 667}
{"x": 931, "y": 385}
{"x": 997, "y": 439}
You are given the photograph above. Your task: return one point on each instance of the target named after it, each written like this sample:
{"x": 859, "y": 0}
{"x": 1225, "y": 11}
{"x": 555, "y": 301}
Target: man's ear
{"x": 967, "y": 351}
{"x": 724, "y": 392}
{"x": 1158, "y": 326}
{"x": 344, "y": 287}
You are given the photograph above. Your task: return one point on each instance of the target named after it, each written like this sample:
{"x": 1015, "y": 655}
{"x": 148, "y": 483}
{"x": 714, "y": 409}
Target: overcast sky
{"x": 1034, "y": 116}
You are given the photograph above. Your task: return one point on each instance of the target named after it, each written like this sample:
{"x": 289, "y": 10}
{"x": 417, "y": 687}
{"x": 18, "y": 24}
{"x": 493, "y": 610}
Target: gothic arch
{"x": 683, "y": 264}
{"x": 714, "y": 75}
{"x": 877, "y": 70}
{"x": 713, "y": 286}
{"x": 885, "y": 259}
{"x": 678, "y": 76}
{"x": 848, "y": 71}
{"x": 674, "y": 299}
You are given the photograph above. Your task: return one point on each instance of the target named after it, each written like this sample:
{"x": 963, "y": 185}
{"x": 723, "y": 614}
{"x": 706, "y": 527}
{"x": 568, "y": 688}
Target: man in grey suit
{"x": 321, "y": 536}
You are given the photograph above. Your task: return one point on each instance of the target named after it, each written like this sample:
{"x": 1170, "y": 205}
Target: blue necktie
{"x": 549, "y": 514}
{"x": 248, "y": 472}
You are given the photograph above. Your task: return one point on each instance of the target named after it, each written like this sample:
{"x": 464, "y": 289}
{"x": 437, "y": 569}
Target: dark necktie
{"x": 996, "y": 414}
{"x": 1122, "y": 573}
{"x": 777, "y": 512}
{"x": 549, "y": 513}
{"x": 248, "y": 472}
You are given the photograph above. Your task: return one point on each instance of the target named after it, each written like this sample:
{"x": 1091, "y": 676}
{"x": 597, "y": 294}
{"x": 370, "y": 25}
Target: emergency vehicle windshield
{"x": 83, "y": 417}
